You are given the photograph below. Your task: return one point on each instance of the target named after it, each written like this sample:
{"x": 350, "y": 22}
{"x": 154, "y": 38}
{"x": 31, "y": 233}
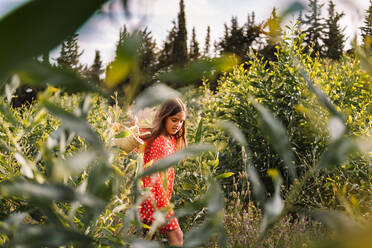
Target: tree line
{"x": 324, "y": 37}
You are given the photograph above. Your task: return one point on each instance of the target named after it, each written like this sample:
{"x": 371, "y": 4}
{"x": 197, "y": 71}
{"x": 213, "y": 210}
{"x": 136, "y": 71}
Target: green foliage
{"x": 281, "y": 87}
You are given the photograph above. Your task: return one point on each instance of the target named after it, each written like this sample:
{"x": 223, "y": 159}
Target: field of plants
{"x": 279, "y": 152}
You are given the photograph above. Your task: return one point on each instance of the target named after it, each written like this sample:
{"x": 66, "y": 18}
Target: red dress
{"x": 160, "y": 184}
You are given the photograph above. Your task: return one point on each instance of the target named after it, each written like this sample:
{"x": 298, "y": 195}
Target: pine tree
{"x": 239, "y": 40}
{"x": 165, "y": 57}
{"x": 123, "y": 35}
{"x": 367, "y": 28}
{"x": 315, "y": 27}
{"x": 147, "y": 52}
{"x": 96, "y": 69}
{"x": 273, "y": 34}
{"x": 207, "y": 42}
{"x": 180, "y": 56}
{"x": 334, "y": 38}
{"x": 69, "y": 55}
{"x": 46, "y": 58}
{"x": 194, "y": 46}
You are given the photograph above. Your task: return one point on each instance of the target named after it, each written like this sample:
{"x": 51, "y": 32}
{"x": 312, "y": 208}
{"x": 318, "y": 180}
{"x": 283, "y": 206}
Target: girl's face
{"x": 174, "y": 123}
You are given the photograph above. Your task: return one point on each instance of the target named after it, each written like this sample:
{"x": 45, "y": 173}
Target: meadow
{"x": 279, "y": 152}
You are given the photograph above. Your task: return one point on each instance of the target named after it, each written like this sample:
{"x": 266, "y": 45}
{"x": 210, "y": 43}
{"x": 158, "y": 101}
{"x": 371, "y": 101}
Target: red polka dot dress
{"x": 160, "y": 184}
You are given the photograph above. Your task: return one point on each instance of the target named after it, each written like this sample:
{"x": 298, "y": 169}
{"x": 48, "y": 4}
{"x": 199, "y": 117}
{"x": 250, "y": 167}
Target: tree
{"x": 207, "y": 42}
{"x": 46, "y": 58}
{"x": 179, "y": 55}
{"x": 367, "y": 28}
{"x": 165, "y": 57}
{"x": 69, "y": 55}
{"x": 334, "y": 38}
{"x": 273, "y": 34}
{"x": 315, "y": 28}
{"x": 194, "y": 46}
{"x": 147, "y": 52}
{"x": 239, "y": 40}
{"x": 96, "y": 69}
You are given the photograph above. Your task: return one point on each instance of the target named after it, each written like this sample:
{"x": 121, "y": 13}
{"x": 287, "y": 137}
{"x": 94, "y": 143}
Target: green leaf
{"x": 154, "y": 95}
{"x": 46, "y": 193}
{"x": 99, "y": 183}
{"x": 8, "y": 115}
{"x": 43, "y": 24}
{"x": 12, "y": 222}
{"x": 72, "y": 166}
{"x": 233, "y": 131}
{"x": 337, "y": 153}
{"x": 199, "y": 132}
{"x": 321, "y": 96}
{"x": 173, "y": 159}
{"x": 40, "y": 75}
{"x": 47, "y": 236}
{"x": 11, "y": 88}
{"x": 125, "y": 62}
{"x": 74, "y": 123}
{"x": 196, "y": 70}
{"x": 273, "y": 207}
{"x": 335, "y": 220}
{"x": 277, "y": 137}
{"x": 259, "y": 190}
{"x": 27, "y": 167}
{"x": 225, "y": 175}
{"x": 201, "y": 234}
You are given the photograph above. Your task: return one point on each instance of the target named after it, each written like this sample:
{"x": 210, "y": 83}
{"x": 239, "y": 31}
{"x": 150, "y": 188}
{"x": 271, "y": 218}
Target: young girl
{"x": 167, "y": 137}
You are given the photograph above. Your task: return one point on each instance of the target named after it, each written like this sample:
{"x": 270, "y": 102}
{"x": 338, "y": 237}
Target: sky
{"x": 101, "y": 32}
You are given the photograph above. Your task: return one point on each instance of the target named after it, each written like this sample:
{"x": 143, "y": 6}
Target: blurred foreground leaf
{"x": 45, "y": 236}
{"x": 213, "y": 223}
{"x": 43, "y": 24}
{"x": 40, "y": 75}
{"x": 196, "y": 70}
{"x": 8, "y": 115}
{"x": 154, "y": 95}
{"x": 125, "y": 62}
{"x": 277, "y": 137}
{"x": 74, "y": 123}
{"x": 273, "y": 207}
{"x": 47, "y": 193}
{"x": 337, "y": 153}
{"x": 173, "y": 159}
{"x": 259, "y": 190}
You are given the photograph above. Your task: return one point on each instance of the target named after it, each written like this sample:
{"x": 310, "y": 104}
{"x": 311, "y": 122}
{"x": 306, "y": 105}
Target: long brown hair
{"x": 168, "y": 108}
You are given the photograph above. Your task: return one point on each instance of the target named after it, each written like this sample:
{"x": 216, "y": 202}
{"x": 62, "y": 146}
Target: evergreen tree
{"x": 194, "y": 46}
{"x": 69, "y": 55}
{"x": 207, "y": 42}
{"x": 96, "y": 69}
{"x": 147, "y": 52}
{"x": 334, "y": 38}
{"x": 239, "y": 40}
{"x": 314, "y": 27}
{"x": 165, "y": 57}
{"x": 273, "y": 34}
{"x": 46, "y": 58}
{"x": 367, "y": 28}
{"x": 233, "y": 41}
{"x": 179, "y": 55}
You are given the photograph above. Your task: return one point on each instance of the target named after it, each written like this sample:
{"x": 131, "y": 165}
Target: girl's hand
{"x": 133, "y": 120}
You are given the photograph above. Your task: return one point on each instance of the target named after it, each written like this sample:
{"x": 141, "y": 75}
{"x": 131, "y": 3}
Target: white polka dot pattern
{"x": 160, "y": 184}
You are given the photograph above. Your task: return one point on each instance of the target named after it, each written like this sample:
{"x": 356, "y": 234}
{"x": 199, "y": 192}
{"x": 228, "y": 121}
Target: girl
{"x": 167, "y": 136}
